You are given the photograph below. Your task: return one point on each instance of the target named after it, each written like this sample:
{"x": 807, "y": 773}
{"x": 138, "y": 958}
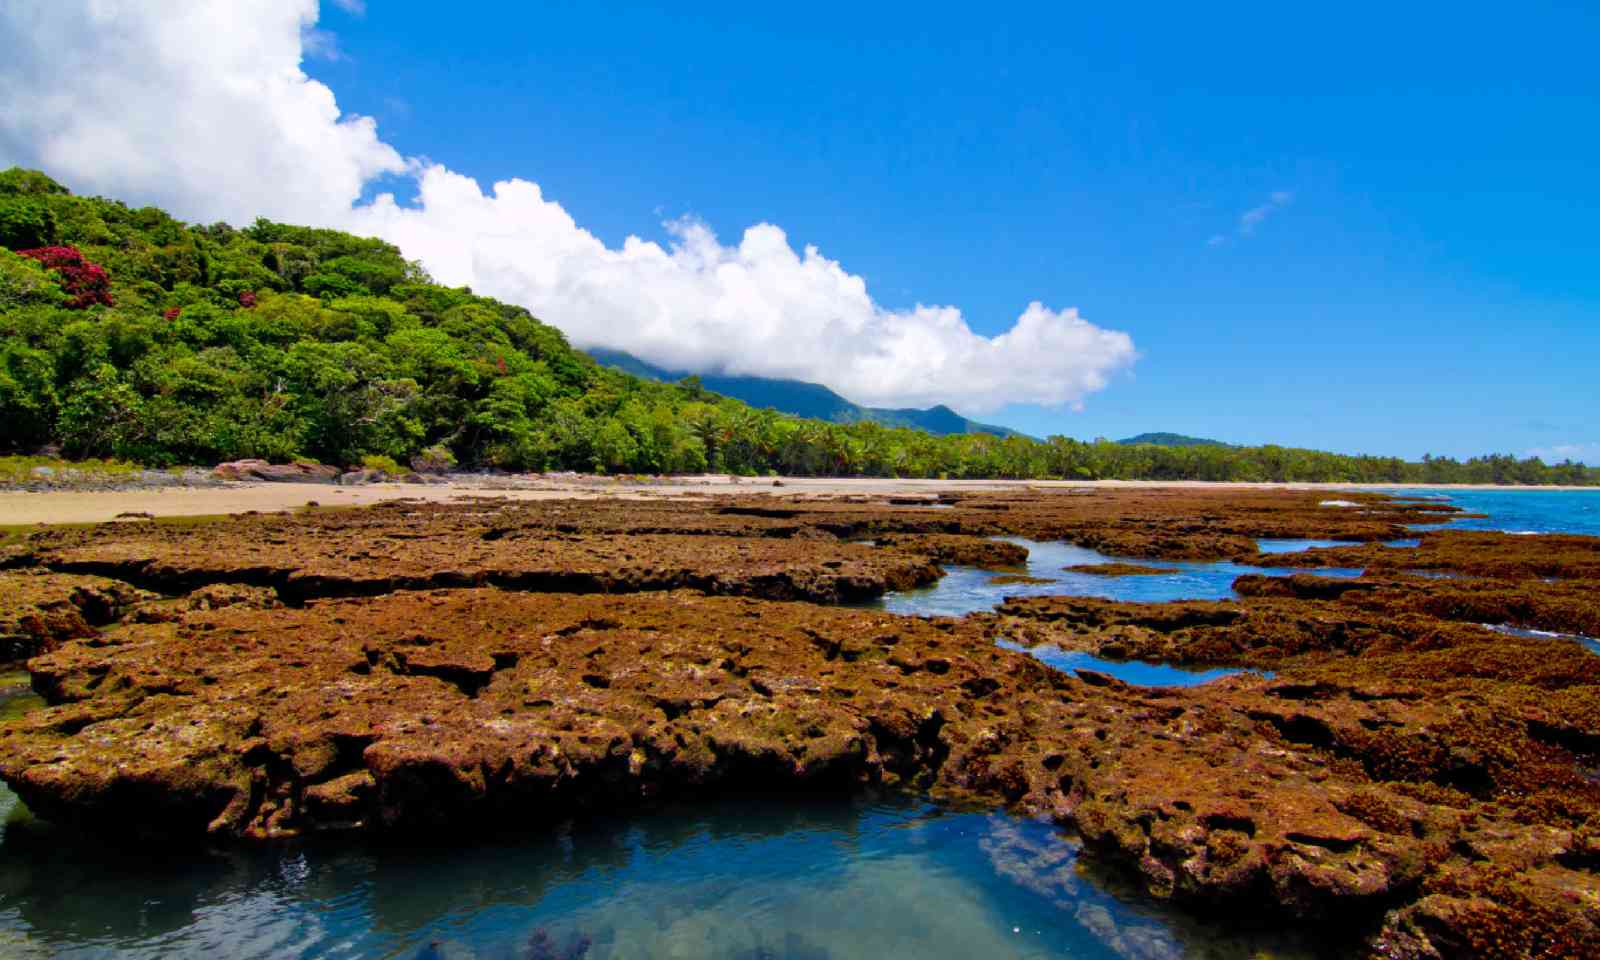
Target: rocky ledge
{"x": 1424, "y": 784}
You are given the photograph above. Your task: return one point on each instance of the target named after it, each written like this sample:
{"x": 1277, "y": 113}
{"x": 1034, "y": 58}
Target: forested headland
{"x": 126, "y": 333}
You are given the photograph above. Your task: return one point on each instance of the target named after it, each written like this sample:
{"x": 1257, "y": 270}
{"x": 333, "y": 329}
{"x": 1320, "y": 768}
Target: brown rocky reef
{"x": 1428, "y": 784}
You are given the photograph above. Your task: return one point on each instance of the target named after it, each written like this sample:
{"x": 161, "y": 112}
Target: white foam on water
{"x": 1507, "y": 629}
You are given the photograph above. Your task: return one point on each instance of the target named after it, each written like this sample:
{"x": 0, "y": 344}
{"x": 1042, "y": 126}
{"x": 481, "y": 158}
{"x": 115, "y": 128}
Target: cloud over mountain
{"x": 204, "y": 108}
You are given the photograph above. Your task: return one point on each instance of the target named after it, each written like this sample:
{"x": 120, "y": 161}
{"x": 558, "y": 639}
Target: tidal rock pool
{"x": 1135, "y": 672}
{"x": 1291, "y": 545}
{"x": 966, "y": 590}
{"x": 738, "y": 879}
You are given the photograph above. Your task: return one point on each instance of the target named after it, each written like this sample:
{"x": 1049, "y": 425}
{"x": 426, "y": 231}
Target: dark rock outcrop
{"x": 275, "y": 473}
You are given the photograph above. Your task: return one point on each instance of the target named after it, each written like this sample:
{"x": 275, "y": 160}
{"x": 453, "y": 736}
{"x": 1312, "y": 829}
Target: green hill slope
{"x": 1171, "y": 440}
{"x": 802, "y": 399}
{"x": 126, "y": 333}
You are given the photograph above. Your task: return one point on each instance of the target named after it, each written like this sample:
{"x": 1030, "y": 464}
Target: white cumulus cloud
{"x": 204, "y": 108}
{"x": 201, "y": 107}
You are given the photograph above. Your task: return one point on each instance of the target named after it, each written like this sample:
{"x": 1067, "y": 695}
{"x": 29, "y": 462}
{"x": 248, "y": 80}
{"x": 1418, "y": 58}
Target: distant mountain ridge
{"x": 803, "y": 399}
{"x": 1171, "y": 440}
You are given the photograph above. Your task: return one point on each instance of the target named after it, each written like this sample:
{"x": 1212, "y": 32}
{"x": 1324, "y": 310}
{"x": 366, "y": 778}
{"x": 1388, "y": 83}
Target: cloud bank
{"x": 203, "y": 108}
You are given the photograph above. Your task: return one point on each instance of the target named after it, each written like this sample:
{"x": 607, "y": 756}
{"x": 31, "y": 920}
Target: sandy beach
{"x": 70, "y": 506}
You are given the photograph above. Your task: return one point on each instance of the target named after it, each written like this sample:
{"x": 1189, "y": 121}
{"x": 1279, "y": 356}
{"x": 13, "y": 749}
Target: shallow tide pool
{"x": 966, "y": 590}
{"x": 1135, "y": 672}
{"x": 740, "y": 879}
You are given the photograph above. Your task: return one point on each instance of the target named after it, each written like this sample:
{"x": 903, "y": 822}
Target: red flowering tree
{"x": 247, "y": 299}
{"x": 85, "y": 283}
{"x": 172, "y": 314}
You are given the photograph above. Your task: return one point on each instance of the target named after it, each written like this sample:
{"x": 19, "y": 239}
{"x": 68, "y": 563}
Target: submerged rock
{"x": 1120, "y": 569}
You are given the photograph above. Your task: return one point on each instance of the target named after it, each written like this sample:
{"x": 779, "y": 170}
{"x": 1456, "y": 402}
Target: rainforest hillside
{"x": 126, "y": 333}
{"x": 802, "y": 399}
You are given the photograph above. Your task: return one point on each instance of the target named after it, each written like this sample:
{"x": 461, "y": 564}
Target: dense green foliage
{"x": 280, "y": 342}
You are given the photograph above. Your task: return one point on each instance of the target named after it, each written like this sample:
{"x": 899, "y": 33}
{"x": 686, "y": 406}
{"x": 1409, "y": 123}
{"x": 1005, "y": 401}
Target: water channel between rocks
{"x": 966, "y": 590}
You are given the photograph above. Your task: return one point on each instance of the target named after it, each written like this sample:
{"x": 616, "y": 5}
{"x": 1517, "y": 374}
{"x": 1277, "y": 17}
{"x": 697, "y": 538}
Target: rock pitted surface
{"x": 1426, "y": 783}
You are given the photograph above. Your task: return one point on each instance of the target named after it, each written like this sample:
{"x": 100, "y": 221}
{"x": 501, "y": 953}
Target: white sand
{"x": 94, "y": 507}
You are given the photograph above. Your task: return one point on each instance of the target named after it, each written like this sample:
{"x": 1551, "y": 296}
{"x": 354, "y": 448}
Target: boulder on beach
{"x": 356, "y": 478}
{"x": 275, "y": 473}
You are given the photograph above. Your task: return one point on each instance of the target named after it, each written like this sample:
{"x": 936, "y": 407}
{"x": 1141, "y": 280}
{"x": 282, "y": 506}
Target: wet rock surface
{"x": 1421, "y": 781}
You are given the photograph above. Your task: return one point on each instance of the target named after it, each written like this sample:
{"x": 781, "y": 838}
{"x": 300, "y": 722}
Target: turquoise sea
{"x": 1519, "y": 511}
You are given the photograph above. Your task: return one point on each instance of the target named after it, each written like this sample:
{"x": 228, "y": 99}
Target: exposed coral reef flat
{"x": 415, "y": 669}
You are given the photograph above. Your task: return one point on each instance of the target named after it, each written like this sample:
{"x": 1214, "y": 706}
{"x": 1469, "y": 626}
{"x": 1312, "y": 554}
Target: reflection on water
{"x": 1135, "y": 672}
{"x": 967, "y": 589}
{"x": 1296, "y": 546}
{"x": 16, "y": 695}
{"x": 753, "y": 878}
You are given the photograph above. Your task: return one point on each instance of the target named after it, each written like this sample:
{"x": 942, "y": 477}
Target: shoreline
{"x": 28, "y": 508}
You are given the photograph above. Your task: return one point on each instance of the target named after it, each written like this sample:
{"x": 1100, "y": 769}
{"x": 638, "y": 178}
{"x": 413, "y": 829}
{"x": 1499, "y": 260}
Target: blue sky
{"x": 1361, "y": 228}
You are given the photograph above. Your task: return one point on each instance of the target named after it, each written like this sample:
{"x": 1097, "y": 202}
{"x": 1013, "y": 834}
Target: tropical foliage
{"x": 125, "y": 333}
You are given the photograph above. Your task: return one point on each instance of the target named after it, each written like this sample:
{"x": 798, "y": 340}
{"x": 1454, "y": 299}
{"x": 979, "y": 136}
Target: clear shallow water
{"x": 1296, "y": 546}
{"x": 1591, "y": 642}
{"x": 737, "y": 879}
{"x": 1519, "y": 511}
{"x": 1136, "y": 672}
{"x": 967, "y": 589}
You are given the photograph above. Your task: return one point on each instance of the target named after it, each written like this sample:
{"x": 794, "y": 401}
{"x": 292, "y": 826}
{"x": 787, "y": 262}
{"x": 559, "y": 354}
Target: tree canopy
{"x": 126, "y": 333}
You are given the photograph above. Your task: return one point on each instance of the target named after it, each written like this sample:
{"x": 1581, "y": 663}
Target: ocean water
{"x": 1518, "y": 511}
{"x": 741, "y": 879}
